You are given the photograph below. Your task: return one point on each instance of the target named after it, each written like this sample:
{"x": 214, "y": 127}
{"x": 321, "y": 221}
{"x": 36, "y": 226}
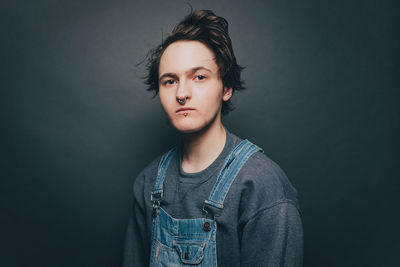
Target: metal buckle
{"x": 151, "y": 195}
{"x": 156, "y": 202}
{"x": 206, "y": 212}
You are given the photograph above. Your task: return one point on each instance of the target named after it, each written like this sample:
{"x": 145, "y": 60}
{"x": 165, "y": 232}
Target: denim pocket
{"x": 190, "y": 252}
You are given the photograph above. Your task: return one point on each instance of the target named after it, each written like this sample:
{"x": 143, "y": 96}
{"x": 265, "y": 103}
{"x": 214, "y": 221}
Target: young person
{"x": 214, "y": 199}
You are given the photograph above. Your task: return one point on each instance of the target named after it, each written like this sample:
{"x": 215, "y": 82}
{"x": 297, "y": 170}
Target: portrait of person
{"x": 215, "y": 199}
{"x": 199, "y": 133}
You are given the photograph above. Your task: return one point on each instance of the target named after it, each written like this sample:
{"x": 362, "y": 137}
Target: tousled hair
{"x": 203, "y": 26}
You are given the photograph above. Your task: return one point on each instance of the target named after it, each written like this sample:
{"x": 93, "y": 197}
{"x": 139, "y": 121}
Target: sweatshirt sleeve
{"x": 273, "y": 237}
{"x": 136, "y": 249}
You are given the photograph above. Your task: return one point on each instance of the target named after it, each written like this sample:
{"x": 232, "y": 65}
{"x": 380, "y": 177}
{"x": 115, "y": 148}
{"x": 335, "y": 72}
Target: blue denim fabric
{"x": 182, "y": 242}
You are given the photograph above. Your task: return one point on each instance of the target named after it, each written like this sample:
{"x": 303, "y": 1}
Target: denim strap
{"x": 227, "y": 175}
{"x": 157, "y": 192}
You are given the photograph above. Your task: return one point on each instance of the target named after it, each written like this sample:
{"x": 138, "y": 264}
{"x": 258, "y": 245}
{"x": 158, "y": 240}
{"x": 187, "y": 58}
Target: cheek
{"x": 165, "y": 102}
{"x": 165, "y": 97}
{"x": 213, "y": 98}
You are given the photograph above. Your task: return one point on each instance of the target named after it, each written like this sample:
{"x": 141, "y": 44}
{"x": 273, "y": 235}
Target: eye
{"x": 169, "y": 82}
{"x": 200, "y": 77}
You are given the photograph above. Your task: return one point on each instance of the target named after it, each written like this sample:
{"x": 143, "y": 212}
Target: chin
{"x": 188, "y": 127}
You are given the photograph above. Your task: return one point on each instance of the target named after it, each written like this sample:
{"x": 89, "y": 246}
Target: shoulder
{"x": 266, "y": 176}
{"x": 270, "y": 176}
{"x": 263, "y": 185}
{"x": 145, "y": 179}
{"x": 262, "y": 175}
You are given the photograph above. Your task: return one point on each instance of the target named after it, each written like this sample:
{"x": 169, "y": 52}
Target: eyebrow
{"x": 190, "y": 71}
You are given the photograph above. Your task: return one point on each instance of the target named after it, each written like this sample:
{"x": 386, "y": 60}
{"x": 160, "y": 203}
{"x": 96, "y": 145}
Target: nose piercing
{"x": 182, "y": 101}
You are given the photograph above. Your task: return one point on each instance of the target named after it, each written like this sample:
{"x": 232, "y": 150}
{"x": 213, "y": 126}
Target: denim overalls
{"x": 182, "y": 242}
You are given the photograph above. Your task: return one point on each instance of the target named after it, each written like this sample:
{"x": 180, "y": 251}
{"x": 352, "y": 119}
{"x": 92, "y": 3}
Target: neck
{"x": 201, "y": 148}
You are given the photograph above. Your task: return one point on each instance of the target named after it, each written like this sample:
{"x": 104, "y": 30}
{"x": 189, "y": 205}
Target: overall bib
{"x": 185, "y": 242}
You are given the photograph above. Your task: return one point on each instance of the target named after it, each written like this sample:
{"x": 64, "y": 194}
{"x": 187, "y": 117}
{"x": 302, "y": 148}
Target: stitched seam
{"x": 288, "y": 201}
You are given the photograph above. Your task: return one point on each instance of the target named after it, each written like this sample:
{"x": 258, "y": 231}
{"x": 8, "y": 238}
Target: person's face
{"x": 188, "y": 71}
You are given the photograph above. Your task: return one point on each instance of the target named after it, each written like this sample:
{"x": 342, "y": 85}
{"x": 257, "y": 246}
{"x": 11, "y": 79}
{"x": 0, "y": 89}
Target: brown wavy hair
{"x": 203, "y": 26}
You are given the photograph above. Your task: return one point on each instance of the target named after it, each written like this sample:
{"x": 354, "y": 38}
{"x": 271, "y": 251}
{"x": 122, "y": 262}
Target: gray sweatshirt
{"x": 260, "y": 224}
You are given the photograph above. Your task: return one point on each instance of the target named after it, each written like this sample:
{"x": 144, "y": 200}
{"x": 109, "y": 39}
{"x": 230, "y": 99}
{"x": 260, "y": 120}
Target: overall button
{"x": 186, "y": 255}
{"x": 207, "y": 226}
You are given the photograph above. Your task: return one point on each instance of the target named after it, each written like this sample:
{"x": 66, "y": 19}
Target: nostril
{"x": 182, "y": 101}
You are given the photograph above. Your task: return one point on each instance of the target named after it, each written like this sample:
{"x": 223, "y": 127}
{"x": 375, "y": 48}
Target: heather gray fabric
{"x": 259, "y": 226}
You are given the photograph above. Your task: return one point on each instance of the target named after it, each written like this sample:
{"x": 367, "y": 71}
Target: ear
{"x": 227, "y": 93}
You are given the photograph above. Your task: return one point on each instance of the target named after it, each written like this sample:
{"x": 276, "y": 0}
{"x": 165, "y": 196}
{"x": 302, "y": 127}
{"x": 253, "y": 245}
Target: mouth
{"x": 184, "y": 111}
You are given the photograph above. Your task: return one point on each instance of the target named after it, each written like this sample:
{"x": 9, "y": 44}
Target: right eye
{"x": 169, "y": 82}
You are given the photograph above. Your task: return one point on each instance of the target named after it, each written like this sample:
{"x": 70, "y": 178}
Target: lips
{"x": 184, "y": 110}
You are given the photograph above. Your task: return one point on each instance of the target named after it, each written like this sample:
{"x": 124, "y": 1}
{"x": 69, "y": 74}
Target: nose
{"x": 183, "y": 92}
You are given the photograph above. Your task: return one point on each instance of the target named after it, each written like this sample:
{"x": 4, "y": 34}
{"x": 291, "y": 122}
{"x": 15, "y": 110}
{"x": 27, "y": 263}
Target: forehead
{"x": 183, "y": 55}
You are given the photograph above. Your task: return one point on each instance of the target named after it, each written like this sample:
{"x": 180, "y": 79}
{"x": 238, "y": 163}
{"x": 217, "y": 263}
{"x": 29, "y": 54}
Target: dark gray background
{"x": 77, "y": 124}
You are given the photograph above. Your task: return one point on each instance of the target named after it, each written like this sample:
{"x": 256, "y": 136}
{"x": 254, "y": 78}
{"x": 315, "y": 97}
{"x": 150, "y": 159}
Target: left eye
{"x": 200, "y": 77}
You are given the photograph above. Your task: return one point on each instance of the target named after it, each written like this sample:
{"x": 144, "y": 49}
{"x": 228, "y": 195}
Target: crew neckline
{"x": 208, "y": 172}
